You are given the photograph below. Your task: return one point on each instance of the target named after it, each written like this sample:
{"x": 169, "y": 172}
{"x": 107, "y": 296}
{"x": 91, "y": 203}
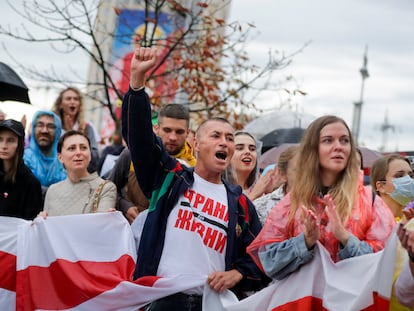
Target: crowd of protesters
{"x": 172, "y": 190}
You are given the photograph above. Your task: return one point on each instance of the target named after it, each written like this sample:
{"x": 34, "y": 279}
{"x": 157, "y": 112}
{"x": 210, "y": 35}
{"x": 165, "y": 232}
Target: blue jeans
{"x": 177, "y": 302}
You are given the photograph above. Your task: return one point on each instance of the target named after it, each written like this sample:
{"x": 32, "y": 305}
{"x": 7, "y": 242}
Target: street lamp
{"x": 356, "y": 121}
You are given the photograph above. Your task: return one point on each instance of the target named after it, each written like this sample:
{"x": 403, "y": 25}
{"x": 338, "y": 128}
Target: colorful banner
{"x": 130, "y": 32}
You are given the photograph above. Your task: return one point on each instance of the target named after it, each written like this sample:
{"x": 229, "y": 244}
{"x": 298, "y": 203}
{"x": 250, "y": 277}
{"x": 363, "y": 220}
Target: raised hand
{"x": 143, "y": 60}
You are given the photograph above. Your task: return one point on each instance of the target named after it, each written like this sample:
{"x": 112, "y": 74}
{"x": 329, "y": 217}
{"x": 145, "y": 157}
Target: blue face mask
{"x": 404, "y": 190}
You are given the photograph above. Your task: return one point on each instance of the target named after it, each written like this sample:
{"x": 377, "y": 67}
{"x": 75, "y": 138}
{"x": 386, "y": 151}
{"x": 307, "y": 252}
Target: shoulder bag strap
{"x": 97, "y": 196}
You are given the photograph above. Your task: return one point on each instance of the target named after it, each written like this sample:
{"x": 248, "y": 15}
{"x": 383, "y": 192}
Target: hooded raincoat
{"x": 47, "y": 169}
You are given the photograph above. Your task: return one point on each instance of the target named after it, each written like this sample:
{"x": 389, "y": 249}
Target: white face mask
{"x": 404, "y": 190}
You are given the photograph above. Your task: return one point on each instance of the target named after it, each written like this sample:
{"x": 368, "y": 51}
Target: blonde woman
{"x": 70, "y": 109}
{"x": 328, "y": 203}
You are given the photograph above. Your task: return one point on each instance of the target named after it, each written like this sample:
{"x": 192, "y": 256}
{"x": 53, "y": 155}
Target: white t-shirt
{"x": 196, "y": 233}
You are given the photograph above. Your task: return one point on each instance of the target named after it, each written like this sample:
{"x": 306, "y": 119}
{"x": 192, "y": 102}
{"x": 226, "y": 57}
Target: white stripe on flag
{"x": 347, "y": 285}
{"x": 93, "y": 257}
{"x": 70, "y": 237}
{"x": 128, "y": 296}
{"x": 8, "y": 249}
{"x": 7, "y": 300}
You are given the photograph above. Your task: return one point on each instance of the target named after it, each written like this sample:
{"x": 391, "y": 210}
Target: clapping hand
{"x": 312, "y": 232}
{"x": 335, "y": 221}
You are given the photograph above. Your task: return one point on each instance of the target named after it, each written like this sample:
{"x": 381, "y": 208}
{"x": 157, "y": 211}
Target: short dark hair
{"x": 69, "y": 134}
{"x": 218, "y": 119}
{"x": 174, "y": 111}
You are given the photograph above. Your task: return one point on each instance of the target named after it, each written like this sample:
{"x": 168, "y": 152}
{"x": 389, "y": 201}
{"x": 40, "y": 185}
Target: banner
{"x": 85, "y": 262}
{"x": 358, "y": 283}
{"x": 136, "y": 27}
{"x": 8, "y": 251}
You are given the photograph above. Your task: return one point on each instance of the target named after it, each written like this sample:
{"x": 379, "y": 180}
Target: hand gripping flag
{"x": 358, "y": 283}
{"x": 85, "y": 262}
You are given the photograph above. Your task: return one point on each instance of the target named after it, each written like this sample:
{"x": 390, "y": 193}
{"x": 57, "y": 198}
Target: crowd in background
{"x": 315, "y": 192}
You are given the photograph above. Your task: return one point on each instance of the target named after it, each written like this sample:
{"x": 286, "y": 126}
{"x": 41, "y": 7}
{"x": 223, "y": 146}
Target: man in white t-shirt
{"x": 197, "y": 224}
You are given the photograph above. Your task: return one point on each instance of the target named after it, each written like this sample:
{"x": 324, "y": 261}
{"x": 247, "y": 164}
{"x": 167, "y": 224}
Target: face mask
{"x": 404, "y": 190}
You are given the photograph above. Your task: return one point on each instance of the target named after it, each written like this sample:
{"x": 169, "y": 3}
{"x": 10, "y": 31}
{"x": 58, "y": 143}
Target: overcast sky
{"x": 327, "y": 70}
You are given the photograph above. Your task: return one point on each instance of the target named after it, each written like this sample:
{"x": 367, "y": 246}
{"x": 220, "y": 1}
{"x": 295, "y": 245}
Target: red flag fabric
{"x": 8, "y": 250}
{"x": 358, "y": 283}
{"x": 85, "y": 262}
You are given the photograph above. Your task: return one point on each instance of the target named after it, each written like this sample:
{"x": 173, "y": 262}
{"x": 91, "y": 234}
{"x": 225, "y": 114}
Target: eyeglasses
{"x": 49, "y": 126}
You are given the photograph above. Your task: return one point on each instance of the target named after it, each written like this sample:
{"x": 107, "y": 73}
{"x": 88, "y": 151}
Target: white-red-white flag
{"x": 358, "y": 283}
{"x": 85, "y": 262}
{"x": 8, "y": 250}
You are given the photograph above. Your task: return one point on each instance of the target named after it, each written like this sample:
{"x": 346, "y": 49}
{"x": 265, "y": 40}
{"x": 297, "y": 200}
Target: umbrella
{"x": 277, "y": 120}
{"x": 12, "y": 86}
{"x": 369, "y": 156}
{"x": 271, "y": 155}
{"x": 280, "y": 136}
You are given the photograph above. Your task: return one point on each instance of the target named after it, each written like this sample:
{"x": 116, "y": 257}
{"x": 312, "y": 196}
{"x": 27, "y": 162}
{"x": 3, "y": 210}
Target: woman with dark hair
{"x": 244, "y": 167}
{"x": 328, "y": 203}
{"x": 70, "y": 109}
{"x": 20, "y": 191}
{"x": 81, "y": 192}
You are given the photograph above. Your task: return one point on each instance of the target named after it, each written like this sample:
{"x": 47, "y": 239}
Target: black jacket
{"x": 23, "y": 199}
{"x": 164, "y": 179}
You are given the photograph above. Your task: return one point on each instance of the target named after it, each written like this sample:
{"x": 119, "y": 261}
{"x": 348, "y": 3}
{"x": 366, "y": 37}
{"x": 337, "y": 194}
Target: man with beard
{"x": 172, "y": 128}
{"x": 41, "y": 155}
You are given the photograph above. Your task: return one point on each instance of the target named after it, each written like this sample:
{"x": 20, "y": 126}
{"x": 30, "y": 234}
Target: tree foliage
{"x": 204, "y": 63}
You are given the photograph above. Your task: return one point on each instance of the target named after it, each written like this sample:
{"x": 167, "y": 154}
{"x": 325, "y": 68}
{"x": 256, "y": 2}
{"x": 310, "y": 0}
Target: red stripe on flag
{"x": 66, "y": 284}
{"x": 315, "y": 304}
{"x": 8, "y": 271}
{"x": 380, "y": 303}
{"x": 147, "y": 280}
{"x": 306, "y": 303}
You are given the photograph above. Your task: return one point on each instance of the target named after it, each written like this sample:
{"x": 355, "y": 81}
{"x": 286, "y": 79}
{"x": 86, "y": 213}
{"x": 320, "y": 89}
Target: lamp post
{"x": 356, "y": 121}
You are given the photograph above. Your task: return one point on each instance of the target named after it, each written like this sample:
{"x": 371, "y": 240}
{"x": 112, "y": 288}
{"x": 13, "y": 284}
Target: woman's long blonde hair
{"x": 308, "y": 182}
{"x": 80, "y": 117}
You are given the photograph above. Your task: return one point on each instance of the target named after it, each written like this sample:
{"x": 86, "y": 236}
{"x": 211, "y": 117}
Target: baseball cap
{"x": 14, "y": 126}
